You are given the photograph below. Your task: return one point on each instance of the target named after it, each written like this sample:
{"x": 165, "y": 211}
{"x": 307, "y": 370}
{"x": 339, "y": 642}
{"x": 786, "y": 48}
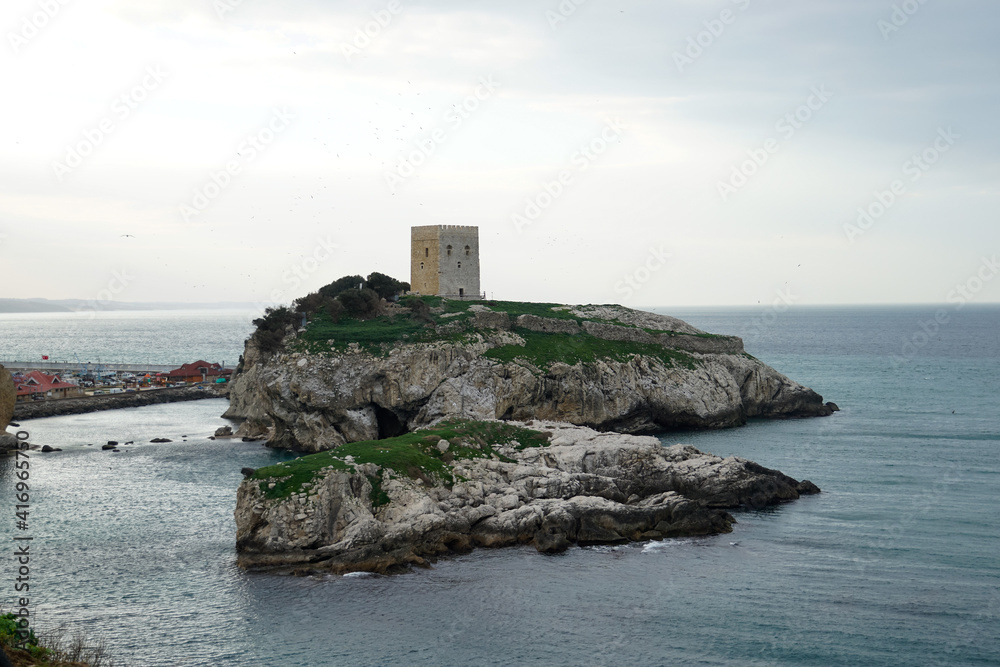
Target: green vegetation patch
{"x": 544, "y": 349}
{"x": 9, "y": 637}
{"x": 366, "y": 333}
{"x": 451, "y": 322}
{"x": 414, "y": 455}
{"x": 289, "y": 478}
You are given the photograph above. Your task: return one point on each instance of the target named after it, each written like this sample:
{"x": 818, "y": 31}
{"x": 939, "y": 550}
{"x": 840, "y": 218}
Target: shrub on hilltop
{"x": 272, "y": 327}
{"x": 341, "y": 298}
{"x": 385, "y": 286}
{"x": 361, "y": 304}
{"x": 341, "y": 284}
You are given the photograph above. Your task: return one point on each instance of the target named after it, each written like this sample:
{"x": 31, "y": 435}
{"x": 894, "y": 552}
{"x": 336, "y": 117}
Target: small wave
{"x": 360, "y": 575}
{"x": 665, "y": 544}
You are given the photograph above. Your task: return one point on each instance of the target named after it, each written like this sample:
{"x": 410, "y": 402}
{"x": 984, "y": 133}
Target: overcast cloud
{"x": 650, "y": 153}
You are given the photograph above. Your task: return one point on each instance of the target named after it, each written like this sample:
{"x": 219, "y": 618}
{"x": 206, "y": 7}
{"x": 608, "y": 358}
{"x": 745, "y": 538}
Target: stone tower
{"x": 444, "y": 261}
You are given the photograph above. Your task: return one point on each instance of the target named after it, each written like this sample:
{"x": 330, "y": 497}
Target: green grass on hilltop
{"x": 451, "y": 321}
{"x": 544, "y": 349}
{"x": 412, "y": 455}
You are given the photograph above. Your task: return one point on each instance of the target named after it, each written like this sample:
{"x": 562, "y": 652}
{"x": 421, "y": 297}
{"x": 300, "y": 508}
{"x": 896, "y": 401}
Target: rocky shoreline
{"x": 81, "y": 405}
{"x": 579, "y": 486}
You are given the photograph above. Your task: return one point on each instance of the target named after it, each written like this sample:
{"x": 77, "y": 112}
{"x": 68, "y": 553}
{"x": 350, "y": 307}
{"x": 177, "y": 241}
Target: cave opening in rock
{"x": 389, "y": 425}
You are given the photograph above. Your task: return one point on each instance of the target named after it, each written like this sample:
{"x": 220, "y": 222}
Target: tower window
{"x": 459, "y": 265}
{"x": 449, "y": 250}
{"x": 468, "y": 250}
{"x": 421, "y": 266}
{"x": 427, "y": 252}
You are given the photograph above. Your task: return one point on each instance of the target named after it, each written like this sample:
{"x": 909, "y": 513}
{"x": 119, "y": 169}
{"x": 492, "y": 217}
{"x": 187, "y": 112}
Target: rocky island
{"x": 318, "y": 386}
{"x": 385, "y": 505}
{"x": 435, "y": 426}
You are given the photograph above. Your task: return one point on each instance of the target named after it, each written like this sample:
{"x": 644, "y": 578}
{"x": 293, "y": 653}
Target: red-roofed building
{"x": 199, "y": 371}
{"x": 37, "y": 385}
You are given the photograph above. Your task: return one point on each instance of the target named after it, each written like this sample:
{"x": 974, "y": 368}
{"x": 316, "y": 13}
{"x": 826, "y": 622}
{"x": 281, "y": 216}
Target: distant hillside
{"x": 71, "y": 305}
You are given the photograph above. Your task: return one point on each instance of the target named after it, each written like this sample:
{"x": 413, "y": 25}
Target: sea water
{"x": 894, "y": 563}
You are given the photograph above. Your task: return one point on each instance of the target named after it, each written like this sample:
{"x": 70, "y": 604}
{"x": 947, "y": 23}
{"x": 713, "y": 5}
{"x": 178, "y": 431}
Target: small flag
{"x": 45, "y": 357}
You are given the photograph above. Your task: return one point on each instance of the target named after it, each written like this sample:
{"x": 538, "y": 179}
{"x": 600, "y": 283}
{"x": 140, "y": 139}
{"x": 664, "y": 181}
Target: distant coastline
{"x": 81, "y": 305}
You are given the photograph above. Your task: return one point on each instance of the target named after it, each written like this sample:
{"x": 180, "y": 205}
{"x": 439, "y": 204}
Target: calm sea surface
{"x": 897, "y": 562}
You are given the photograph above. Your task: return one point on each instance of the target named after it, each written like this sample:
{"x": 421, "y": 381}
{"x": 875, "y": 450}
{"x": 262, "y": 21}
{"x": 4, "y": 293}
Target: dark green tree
{"x": 385, "y": 286}
{"x": 341, "y": 284}
{"x": 360, "y": 303}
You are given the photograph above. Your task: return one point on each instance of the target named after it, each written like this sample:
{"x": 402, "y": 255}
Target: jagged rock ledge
{"x": 492, "y": 484}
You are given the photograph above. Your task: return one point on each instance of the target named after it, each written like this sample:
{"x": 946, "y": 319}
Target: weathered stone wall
{"x": 547, "y": 324}
{"x": 458, "y": 263}
{"x": 425, "y": 246}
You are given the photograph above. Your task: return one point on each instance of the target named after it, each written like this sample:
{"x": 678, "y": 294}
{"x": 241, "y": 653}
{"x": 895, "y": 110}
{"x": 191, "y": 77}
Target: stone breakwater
{"x": 681, "y": 378}
{"x": 74, "y": 406}
{"x": 584, "y": 487}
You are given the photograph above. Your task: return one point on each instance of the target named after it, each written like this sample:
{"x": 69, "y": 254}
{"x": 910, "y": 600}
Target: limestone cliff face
{"x": 312, "y": 402}
{"x": 584, "y": 487}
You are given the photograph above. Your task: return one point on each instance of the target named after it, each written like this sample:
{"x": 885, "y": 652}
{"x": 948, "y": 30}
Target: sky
{"x": 685, "y": 153}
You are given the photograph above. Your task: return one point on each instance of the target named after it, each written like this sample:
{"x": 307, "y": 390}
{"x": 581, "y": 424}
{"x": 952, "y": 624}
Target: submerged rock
{"x": 582, "y": 487}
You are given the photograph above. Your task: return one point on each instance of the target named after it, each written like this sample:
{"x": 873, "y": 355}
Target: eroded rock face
{"x": 311, "y": 403}
{"x": 586, "y": 487}
{"x": 8, "y": 395}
